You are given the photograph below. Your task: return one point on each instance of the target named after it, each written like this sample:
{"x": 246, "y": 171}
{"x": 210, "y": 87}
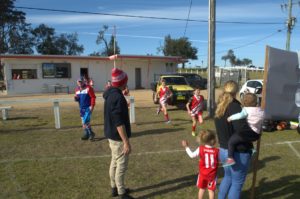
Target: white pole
{"x": 132, "y": 110}
{"x": 114, "y": 46}
{"x": 4, "y": 114}
{"x": 56, "y": 114}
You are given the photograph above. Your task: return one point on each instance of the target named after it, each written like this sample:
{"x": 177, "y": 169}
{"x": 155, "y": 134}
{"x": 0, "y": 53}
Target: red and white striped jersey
{"x": 163, "y": 94}
{"x": 196, "y": 104}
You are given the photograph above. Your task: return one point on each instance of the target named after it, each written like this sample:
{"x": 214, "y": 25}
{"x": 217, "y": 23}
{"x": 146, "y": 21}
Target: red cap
{"x": 118, "y": 77}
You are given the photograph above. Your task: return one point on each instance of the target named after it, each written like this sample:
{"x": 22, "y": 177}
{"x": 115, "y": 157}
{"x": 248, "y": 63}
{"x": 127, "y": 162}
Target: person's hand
{"x": 126, "y": 148}
{"x": 76, "y": 98}
{"x": 184, "y": 143}
{"x": 189, "y": 112}
{"x": 91, "y": 108}
{"x": 228, "y": 120}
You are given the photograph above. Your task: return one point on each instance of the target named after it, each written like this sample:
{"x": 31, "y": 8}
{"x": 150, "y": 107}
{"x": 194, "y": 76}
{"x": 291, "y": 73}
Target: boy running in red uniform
{"x": 208, "y": 163}
{"x": 164, "y": 94}
{"x": 195, "y": 108}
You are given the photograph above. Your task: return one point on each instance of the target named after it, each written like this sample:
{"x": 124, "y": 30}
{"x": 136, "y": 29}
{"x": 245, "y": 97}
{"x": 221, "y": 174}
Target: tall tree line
{"x": 18, "y": 37}
{"x": 234, "y": 61}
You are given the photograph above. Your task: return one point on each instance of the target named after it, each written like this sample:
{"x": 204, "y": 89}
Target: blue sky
{"x": 143, "y": 36}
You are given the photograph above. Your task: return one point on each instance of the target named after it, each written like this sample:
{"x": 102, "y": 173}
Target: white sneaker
{"x": 158, "y": 111}
{"x": 168, "y": 122}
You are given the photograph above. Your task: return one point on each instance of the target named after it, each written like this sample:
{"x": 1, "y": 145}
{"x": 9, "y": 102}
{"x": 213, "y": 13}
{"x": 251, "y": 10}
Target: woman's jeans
{"x": 234, "y": 176}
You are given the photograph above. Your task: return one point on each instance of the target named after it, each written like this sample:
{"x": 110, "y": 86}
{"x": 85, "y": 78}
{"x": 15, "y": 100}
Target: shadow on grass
{"x": 181, "y": 121}
{"x": 41, "y": 127}
{"x": 286, "y": 187}
{"x": 173, "y": 185}
{"x": 155, "y": 132}
{"x": 261, "y": 164}
{"x": 97, "y": 139}
{"x": 22, "y": 118}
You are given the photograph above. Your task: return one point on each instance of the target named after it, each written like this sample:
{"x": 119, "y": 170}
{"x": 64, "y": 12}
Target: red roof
{"x": 113, "y": 57}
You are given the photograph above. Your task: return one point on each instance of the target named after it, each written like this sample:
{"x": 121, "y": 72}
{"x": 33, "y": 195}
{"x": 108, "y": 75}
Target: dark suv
{"x": 195, "y": 80}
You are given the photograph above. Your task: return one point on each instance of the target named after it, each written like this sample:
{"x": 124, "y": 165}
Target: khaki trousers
{"x": 118, "y": 166}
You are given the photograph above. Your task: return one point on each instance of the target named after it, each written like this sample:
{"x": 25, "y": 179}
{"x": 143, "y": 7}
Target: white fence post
{"x": 56, "y": 114}
{"x": 56, "y": 107}
{"x": 4, "y": 114}
{"x": 132, "y": 110}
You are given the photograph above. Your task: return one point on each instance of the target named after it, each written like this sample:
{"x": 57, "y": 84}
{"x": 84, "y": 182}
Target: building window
{"x": 24, "y": 73}
{"x": 56, "y": 70}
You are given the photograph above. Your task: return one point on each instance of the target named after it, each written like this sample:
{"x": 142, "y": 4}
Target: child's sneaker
{"x": 229, "y": 162}
{"x": 84, "y": 137}
{"x": 168, "y": 122}
{"x": 92, "y": 136}
{"x": 194, "y": 133}
{"x": 158, "y": 111}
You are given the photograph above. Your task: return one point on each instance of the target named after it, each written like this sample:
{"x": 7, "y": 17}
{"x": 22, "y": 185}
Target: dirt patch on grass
{"x": 143, "y": 98}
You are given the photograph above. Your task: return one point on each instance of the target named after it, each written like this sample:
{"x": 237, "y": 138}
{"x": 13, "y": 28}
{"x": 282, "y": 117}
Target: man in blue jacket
{"x": 117, "y": 131}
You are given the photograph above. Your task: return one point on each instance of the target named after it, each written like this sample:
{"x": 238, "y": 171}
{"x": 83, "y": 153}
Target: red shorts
{"x": 203, "y": 183}
{"x": 197, "y": 115}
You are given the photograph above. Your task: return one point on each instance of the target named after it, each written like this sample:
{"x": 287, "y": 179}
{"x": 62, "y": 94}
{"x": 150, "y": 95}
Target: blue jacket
{"x": 115, "y": 113}
{"x": 85, "y": 96}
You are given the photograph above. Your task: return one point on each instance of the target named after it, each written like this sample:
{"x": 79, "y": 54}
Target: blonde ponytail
{"x": 229, "y": 93}
{"x": 224, "y": 100}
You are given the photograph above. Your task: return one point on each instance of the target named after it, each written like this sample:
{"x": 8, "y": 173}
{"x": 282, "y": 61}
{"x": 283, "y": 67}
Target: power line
{"x": 188, "y": 17}
{"x": 147, "y": 17}
{"x": 248, "y": 44}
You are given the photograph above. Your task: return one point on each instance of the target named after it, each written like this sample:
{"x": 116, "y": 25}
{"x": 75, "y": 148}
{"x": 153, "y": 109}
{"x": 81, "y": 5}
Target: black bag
{"x": 269, "y": 125}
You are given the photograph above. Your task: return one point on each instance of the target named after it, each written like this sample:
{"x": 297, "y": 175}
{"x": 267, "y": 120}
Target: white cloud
{"x": 249, "y": 11}
{"x": 224, "y": 12}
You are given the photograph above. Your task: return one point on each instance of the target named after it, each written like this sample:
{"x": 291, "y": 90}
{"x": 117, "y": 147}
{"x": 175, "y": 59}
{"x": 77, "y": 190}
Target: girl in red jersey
{"x": 164, "y": 94}
{"x": 208, "y": 163}
{"x": 195, "y": 108}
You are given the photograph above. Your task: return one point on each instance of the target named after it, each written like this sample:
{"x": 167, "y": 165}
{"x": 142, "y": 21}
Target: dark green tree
{"x": 178, "y": 47}
{"x": 225, "y": 58}
{"x": 66, "y": 44}
{"x": 44, "y": 38}
{"x": 108, "y": 49}
{"x": 234, "y": 61}
{"x": 232, "y": 57}
{"x": 48, "y": 43}
{"x": 247, "y": 62}
{"x": 238, "y": 62}
{"x": 15, "y": 33}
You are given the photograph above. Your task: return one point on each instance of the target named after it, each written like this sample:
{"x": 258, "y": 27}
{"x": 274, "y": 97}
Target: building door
{"x": 84, "y": 72}
{"x": 138, "y": 78}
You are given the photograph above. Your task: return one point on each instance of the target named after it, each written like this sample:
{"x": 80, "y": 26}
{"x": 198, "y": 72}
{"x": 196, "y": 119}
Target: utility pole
{"x": 290, "y": 23}
{"x": 211, "y": 58}
{"x": 115, "y": 45}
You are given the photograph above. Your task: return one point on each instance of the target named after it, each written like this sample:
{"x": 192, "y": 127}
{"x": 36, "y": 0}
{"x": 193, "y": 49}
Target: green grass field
{"x": 38, "y": 161}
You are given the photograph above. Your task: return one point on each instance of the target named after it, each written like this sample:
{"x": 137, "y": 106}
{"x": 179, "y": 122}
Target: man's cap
{"x": 118, "y": 77}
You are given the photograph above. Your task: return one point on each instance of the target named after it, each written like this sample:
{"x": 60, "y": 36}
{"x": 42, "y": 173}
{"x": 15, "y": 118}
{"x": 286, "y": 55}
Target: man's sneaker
{"x": 126, "y": 196}
{"x": 229, "y": 162}
{"x": 114, "y": 191}
{"x": 194, "y": 133}
{"x": 158, "y": 111}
